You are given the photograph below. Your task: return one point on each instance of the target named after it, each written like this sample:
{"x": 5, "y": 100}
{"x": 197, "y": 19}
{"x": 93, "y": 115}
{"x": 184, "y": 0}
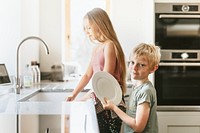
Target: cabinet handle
{"x": 178, "y": 16}
{"x": 47, "y": 130}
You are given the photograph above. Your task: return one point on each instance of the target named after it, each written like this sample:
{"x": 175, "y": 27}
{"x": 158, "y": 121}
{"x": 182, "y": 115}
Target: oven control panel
{"x": 185, "y": 8}
{"x": 177, "y": 8}
{"x": 180, "y": 55}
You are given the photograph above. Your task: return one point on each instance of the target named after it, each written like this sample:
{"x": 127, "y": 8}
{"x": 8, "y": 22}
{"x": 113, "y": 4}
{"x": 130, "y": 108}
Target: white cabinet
{"x": 179, "y": 122}
{"x": 8, "y": 123}
{"x": 34, "y": 123}
{"x": 29, "y": 124}
{"x": 183, "y": 129}
{"x": 7, "y": 111}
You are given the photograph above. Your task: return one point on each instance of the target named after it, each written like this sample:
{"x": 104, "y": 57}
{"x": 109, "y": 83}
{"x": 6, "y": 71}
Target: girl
{"x": 107, "y": 56}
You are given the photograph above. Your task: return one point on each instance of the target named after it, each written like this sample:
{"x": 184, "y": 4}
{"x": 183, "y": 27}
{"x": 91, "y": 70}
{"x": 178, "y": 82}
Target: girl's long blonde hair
{"x": 100, "y": 19}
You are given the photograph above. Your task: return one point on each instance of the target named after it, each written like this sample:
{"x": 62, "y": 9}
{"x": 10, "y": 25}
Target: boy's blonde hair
{"x": 151, "y": 51}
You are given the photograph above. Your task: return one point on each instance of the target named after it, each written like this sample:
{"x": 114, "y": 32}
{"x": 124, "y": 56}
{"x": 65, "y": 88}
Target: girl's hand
{"x": 107, "y": 104}
{"x": 70, "y": 98}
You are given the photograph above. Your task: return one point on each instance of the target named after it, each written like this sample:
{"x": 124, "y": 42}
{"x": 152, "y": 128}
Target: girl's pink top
{"x": 98, "y": 61}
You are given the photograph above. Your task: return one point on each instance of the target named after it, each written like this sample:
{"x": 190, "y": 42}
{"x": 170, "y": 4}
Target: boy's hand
{"x": 107, "y": 104}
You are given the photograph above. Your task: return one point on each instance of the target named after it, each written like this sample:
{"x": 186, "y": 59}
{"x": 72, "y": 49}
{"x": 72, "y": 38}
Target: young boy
{"x": 141, "y": 114}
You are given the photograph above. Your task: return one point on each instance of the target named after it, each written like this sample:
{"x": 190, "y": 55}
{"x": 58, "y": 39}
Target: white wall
{"x": 51, "y": 31}
{"x": 132, "y": 19}
{"x": 19, "y": 19}
{"x": 134, "y": 23}
{"x": 9, "y": 32}
{"x": 29, "y": 50}
{"x": 131, "y": 26}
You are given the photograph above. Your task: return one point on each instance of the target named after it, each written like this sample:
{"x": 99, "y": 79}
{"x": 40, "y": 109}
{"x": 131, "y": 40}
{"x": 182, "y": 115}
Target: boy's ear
{"x": 154, "y": 69}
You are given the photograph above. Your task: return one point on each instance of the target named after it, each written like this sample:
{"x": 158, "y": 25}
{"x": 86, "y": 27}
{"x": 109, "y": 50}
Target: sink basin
{"x": 56, "y": 87}
{"x": 52, "y": 92}
{"x": 48, "y": 96}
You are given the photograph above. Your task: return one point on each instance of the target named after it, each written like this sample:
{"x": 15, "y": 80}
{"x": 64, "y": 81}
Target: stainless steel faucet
{"x": 27, "y": 38}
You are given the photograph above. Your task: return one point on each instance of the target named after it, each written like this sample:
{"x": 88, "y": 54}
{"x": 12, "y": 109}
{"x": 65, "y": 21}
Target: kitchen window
{"x": 77, "y": 47}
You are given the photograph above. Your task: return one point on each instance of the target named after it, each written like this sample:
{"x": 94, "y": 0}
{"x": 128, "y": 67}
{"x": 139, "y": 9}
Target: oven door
{"x": 178, "y": 84}
{"x": 177, "y": 31}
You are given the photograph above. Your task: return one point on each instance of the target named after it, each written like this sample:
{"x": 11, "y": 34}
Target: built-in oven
{"x": 177, "y": 32}
{"x": 178, "y": 82}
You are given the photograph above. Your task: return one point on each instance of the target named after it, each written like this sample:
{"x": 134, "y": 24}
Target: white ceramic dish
{"x": 105, "y": 85}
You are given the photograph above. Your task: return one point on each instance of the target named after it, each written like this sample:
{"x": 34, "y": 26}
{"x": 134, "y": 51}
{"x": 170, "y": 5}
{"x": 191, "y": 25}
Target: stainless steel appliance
{"x": 177, "y": 32}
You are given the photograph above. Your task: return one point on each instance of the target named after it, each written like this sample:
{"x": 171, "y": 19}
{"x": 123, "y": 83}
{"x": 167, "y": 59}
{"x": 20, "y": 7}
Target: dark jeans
{"x": 107, "y": 124}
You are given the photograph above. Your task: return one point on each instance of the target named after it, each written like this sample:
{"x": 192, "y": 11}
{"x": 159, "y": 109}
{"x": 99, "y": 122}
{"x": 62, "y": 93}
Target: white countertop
{"x": 10, "y": 104}
{"x": 82, "y": 114}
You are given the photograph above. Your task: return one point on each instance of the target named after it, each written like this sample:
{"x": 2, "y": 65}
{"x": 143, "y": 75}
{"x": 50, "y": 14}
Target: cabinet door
{"x": 183, "y": 129}
{"x": 40, "y": 123}
{"x": 179, "y": 122}
{"x": 8, "y": 123}
{"x": 29, "y": 123}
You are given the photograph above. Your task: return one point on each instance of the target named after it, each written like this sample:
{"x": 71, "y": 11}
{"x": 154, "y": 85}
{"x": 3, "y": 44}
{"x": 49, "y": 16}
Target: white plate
{"x": 105, "y": 85}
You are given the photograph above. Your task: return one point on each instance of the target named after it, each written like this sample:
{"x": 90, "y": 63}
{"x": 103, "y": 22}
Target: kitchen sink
{"x": 45, "y": 108}
{"x": 52, "y": 92}
{"x": 48, "y": 110}
{"x": 45, "y": 96}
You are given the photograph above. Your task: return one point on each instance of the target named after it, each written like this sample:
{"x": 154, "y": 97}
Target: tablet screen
{"x": 4, "y": 77}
